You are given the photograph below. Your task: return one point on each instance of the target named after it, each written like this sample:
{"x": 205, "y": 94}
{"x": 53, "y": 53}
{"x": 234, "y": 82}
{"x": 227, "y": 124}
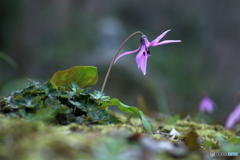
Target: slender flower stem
{"x": 111, "y": 64}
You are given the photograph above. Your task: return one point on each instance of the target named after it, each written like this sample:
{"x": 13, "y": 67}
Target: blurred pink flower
{"x": 144, "y": 53}
{"x": 206, "y": 105}
{"x": 233, "y": 118}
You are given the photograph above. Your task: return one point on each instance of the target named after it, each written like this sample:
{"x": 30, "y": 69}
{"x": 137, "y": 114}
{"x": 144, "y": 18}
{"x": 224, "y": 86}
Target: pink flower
{"x": 143, "y": 50}
{"x": 233, "y": 118}
{"x": 206, "y": 105}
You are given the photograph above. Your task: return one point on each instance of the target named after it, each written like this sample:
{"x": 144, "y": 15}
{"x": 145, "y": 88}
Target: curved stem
{"x": 111, "y": 64}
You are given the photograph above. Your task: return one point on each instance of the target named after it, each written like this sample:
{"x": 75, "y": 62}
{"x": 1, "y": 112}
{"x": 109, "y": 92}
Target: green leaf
{"x": 126, "y": 108}
{"x": 82, "y": 75}
{"x": 228, "y": 146}
{"x": 234, "y": 140}
{"x": 97, "y": 95}
{"x": 61, "y": 105}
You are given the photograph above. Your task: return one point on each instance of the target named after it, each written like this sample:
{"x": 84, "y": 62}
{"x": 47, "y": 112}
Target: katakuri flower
{"x": 233, "y": 118}
{"x": 206, "y": 105}
{"x": 143, "y": 50}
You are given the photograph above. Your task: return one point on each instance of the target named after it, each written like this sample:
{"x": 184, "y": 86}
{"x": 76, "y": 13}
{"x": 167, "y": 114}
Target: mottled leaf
{"x": 126, "y": 108}
{"x": 82, "y": 75}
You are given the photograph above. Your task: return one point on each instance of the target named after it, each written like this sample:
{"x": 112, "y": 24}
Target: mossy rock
{"x": 22, "y": 139}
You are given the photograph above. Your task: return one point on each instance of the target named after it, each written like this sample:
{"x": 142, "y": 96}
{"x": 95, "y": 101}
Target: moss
{"x": 206, "y": 134}
{"x": 26, "y": 140}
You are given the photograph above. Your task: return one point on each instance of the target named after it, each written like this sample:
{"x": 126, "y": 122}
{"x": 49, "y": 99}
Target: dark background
{"x": 43, "y": 36}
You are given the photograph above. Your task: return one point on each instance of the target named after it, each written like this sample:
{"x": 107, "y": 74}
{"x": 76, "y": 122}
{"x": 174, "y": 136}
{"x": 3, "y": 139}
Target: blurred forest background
{"x": 44, "y": 36}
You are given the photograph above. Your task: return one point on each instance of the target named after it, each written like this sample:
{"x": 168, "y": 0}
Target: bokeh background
{"x": 44, "y": 36}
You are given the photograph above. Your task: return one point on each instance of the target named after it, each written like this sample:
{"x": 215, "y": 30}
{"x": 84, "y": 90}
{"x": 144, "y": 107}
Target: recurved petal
{"x": 126, "y": 53}
{"x": 156, "y": 40}
{"x": 167, "y": 41}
